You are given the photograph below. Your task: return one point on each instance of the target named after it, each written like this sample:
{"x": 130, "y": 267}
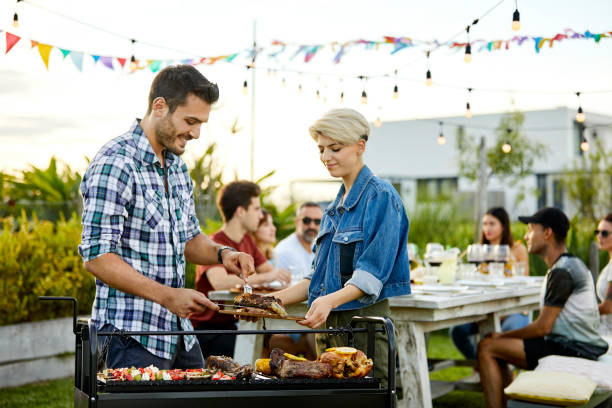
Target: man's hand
{"x": 318, "y": 312}
{"x": 238, "y": 263}
{"x": 183, "y": 302}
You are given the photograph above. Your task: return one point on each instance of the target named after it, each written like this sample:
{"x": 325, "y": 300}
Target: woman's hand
{"x": 318, "y": 312}
{"x": 283, "y": 276}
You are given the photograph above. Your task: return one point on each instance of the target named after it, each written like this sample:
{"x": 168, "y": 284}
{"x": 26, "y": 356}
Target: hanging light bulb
{"x": 284, "y": 82}
{"x": 428, "y": 80}
{"x": 378, "y": 122}
{"x": 516, "y": 20}
{"x": 15, "y": 20}
{"x": 506, "y": 147}
{"x": 318, "y": 95}
{"x": 342, "y": 97}
{"x": 395, "y": 92}
{"x": 468, "y": 111}
{"x": 584, "y": 144}
{"x": 245, "y": 87}
{"x": 441, "y": 138}
{"x": 580, "y": 114}
{"x": 133, "y": 62}
{"x": 468, "y": 53}
{"x": 299, "y": 88}
{"x": 364, "y": 97}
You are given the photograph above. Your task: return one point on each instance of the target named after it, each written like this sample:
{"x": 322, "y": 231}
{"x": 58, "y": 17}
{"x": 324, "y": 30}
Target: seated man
{"x": 240, "y": 209}
{"x": 569, "y": 319}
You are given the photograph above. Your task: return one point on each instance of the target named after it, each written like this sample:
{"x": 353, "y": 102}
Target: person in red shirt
{"x": 240, "y": 208}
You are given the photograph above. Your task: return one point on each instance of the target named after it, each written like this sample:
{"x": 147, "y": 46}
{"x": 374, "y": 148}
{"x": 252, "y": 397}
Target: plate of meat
{"x": 254, "y": 305}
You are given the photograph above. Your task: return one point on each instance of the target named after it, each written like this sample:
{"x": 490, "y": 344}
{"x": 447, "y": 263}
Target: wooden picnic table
{"x": 413, "y": 316}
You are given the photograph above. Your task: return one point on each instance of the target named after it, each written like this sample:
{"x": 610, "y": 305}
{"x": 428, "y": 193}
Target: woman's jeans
{"x": 464, "y": 335}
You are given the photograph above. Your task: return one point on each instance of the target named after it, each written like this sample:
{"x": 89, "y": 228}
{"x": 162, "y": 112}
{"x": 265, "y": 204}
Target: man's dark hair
{"x": 308, "y": 204}
{"x": 236, "y": 194}
{"x": 552, "y": 218}
{"x": 175, "y": 83}
{"x": 608, "y": 217}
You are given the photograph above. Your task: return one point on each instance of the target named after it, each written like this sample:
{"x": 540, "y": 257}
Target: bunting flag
{"x": 339, "y": 49}
{"x": 11, "y": 40}
{"x": 45, "y": 50}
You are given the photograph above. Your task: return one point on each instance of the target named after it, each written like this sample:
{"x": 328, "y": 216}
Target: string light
{"x": 364, "y": 97}
{"x": 441, "y": 138}
{"x": 133, "y": 62}
{"x": 428, "y": 80}
{"x": 378, "y": 122}
{"x": 506, "y": 147}
{"x": 395, "y": 92}
{"x": 584, "y": 144}
{"x": 299, "y": 88}
{"x": 580, "y": 114}
{"x": 245, "y": 87}
{"x": 16, "y": 16}
{"x": 516, "y": 18}
{"x": 468, "y": 48}
{"x": 283, "y": 82}
{"x": 468, "y": 110}
{"x": 318, "y": 95}
{"x": 342, "y": 97}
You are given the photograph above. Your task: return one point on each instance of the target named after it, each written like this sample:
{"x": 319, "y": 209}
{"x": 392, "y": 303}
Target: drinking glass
{"x": 467, "y": 271}
{"x": 434, "y": 253}
{"x": 475, "y": 254}
{"x": 496, "y": 270}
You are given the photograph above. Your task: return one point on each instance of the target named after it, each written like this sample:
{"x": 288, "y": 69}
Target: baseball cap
{"x": 550, "y": 217}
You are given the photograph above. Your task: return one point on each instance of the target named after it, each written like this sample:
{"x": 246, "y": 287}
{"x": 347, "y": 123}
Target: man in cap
{"x": 569, "y": 319}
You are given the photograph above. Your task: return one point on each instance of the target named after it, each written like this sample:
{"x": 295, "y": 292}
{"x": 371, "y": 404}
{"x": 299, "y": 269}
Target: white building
{"x": 407, "y": 154}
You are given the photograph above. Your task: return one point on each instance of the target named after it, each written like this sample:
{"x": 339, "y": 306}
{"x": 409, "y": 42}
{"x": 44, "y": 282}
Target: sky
{"x": 69, "y": 114}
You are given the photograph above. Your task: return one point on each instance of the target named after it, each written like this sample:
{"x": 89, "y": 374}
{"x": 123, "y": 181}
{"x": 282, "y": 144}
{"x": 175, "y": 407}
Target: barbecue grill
{"x": 256, "y": 392}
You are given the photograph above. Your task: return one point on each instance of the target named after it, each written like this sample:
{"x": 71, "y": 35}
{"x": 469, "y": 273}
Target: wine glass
{"x": 434, "y": 253}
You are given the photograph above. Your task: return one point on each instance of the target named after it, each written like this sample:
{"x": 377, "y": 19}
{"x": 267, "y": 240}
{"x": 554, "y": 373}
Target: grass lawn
{"x": 59, "y": 394}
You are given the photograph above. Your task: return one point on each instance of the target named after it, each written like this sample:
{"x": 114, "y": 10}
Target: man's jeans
{"x": 464, "y": 335}
{"x": 124, "y": 351}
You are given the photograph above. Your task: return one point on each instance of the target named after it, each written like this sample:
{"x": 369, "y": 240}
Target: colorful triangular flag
{"x": 77, "y": 59}
{"x": 11, "y": 40}
{"x": 96, "y": 58}
{"x": 108, "y": 62}
{"x": 64, "y": 52}
{"x": 122, "y": 62}
{"x": 34, "y": 43}
{"x": 154, "y": 65}
{"x": 44, "y": 50}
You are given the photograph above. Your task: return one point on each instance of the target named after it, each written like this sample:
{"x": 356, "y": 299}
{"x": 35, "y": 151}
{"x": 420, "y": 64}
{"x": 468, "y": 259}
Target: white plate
{"x": 490, "y": 283}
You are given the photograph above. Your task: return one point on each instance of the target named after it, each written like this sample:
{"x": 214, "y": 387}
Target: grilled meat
{"x": 229, "y": 366}
{"x": 336, "y": 361}
{"x": 286, "y": 368}
{"x": 269, "y": 303}
{"x": 354, "y": 365}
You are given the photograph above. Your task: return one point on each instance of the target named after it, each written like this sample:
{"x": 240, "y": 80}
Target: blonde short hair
{"x": 345, "y": 126}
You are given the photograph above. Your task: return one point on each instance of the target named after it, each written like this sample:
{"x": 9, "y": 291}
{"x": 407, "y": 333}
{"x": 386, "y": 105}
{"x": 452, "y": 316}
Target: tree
{"x": 207, "y": 180}
{"x": 588, "y": 182}
{"x": 510, "y": 167}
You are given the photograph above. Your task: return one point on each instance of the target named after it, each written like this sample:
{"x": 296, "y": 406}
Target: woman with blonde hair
{"x": 361, "y": 258}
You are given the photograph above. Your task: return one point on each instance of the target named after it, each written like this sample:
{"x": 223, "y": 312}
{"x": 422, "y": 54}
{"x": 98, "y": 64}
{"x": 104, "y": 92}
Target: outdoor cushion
{"x": 551, "y": 387}
{"x": 599, "y": 372}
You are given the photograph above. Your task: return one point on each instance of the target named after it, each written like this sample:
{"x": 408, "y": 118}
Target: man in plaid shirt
{"x": 139, "y": 226}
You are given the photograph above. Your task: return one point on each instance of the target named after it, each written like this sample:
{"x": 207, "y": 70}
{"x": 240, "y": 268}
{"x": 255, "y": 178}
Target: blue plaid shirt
{"x": 127, "y": 211}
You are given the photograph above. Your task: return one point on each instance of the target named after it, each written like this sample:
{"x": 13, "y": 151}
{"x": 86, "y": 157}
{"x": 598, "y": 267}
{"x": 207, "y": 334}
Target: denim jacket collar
{"x": 365, "y": 174}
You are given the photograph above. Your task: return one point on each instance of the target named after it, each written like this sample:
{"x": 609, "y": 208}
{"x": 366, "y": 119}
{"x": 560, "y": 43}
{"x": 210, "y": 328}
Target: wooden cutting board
{"x": 265, "y": 315}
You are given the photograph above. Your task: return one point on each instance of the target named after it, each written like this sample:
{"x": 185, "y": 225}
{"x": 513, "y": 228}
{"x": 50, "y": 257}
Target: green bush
{"x": 40, "y": 258}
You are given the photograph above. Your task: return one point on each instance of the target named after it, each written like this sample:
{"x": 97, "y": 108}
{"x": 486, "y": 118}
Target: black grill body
{"x": 252, "y": 393}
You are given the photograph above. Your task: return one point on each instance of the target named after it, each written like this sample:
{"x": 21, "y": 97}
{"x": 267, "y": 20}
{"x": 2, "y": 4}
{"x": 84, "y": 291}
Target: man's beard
{"x": 308, "y": 237}
{"x": 166, "y": 135}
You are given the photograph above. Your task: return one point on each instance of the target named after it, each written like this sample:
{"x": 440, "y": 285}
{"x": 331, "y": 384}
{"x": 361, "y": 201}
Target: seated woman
{"x": 603, "y": 233}
{"x": 495, "y": 231}
{"x": 297, "y": 344}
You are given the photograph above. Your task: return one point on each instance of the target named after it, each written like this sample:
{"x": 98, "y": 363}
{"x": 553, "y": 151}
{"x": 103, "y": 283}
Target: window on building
{"x": 436, "y": 188}
{"x": 557, "y": 188}
{"x": 542, "y": 190}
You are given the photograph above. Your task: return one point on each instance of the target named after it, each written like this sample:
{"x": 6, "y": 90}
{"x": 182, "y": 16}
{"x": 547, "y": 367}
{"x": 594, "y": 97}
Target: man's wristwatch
{"x": 220, "y": 250}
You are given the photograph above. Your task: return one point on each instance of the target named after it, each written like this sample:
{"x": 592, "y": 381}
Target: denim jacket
{"x": 362, "y": 242}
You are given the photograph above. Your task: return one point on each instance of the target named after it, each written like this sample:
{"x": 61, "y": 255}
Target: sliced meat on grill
{"x": 222, "y": 363}
{"x": 269, "y": 303}
{"x": 304, "y": 369}
{"x": 229, "y": 366}
{"x": 336, "y": 361}
{"x": 286, "y": 368}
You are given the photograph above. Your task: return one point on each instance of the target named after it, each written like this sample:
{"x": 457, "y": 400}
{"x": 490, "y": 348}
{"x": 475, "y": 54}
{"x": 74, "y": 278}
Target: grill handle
{"x": 390, "y": 330}
{"x": 74, "y": 307}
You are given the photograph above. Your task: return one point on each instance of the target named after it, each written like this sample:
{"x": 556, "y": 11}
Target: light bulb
{"x": 378, "y": 122}
{"x": 318, "y": 95}
{"x": 468, "y": 111}
{"x": 245, "y": 87}
{"x": 580, "y": 115}
{"x": 428, "y": 80}
{"x": 133, "y": 64}
{"x": 516, "y": 20}
{"x": 284, "y": 82}
{"x": 15, "y": 20}
{"x": 441, "y": 139}
{"x": 364, "y": 97}
{"x": 506, "y": 148}
{"x": 300, "y": 88}
{"x": 468, "y": 53}
{"x": 395, "y": 92}
{"x": 584, "y": 145}
{"x": 341, "y": 97}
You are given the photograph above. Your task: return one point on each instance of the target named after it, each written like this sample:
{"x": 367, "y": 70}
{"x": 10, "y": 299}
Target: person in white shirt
{"x": 295, "y": 251}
